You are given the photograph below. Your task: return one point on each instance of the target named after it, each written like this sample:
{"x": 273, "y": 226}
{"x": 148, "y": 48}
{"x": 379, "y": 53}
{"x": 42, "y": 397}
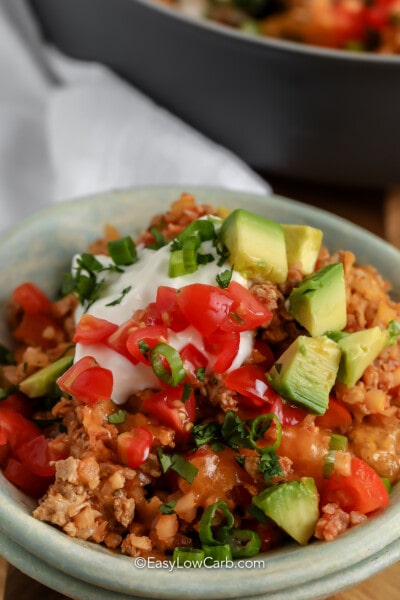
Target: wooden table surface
{"x": 375, "y": 210}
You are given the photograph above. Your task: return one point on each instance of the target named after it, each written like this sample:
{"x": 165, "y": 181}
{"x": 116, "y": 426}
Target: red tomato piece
{"x": 19, "y": 475}
{"x": 134, "y": 446}
{"x": 348, "y": 25}
{"x": 363, "y": 490}
{"x": 149, "y": 337}
{"x": 18, "y": 428}
{"x": 337, "y": 415}
{"x": 87, "y": 381}
{"x": 167, "y": 305}
{"x": 377, "y": 16}
{"x": 247, "y": 312}
{"x": 204, "y": 306}
{"x": 288, "y": 414}
{"x": 193, "y": 360}
{"x": 32, "y": 328}
{"x": 32, "y": 299}
{"x": 250, "y": 381}
{"x": 168, "y": 408}
{"x": 93, "y": 385}
{"x": 67, "y": 378}
{"x": 92, "y": 330}
{"x": 117, "y": 340}
{"x": 224, "y": 345}
{"x": 37, "y": 454}
{"x": 19, "y": 403}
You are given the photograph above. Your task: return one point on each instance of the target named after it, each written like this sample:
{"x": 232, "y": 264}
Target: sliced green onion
{"x": 189, "y": 254}
{"x": 123, "y": 251}
{"x": 338, "y": 442}
{"x": 387, "y": 484}
{"x": 207, "y": 524}
{"x": 188, "y": 557}
{"x": 218, "y": 554}
{"x": 176, "y": 266}
{"x": 175, "y": 372}
{"x": 329, "y": 464}
{"x": 159, "y": 240}
{"x": 244, "y": 542}
{"x": 259, "y": 426}
{"x": 203, "y": 229}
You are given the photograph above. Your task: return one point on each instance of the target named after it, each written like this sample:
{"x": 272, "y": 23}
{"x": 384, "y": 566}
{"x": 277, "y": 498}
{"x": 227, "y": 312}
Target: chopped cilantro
{"x": 177, "y": 463}
{"x": 224, "y": 278}
{"x": 168, "y": 507}
{"x": 117, "y": 417}
{"x": 269, "y": 465}
{"x": 123, "y": 294}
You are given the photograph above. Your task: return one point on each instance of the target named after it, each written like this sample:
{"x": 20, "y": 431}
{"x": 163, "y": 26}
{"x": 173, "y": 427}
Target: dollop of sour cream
{"x": 124, "y": 293}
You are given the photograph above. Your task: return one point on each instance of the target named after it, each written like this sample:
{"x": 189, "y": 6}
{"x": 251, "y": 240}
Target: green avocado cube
{"x": 293, "y": 506}
{"x": 256, "y": 246}
{"x": 359, "y": 350}
{"x": 318, "y": 303}
{"x": 306, "y": 372}
{"x": 303, "y": 244}
{"x": 43, "y": 381}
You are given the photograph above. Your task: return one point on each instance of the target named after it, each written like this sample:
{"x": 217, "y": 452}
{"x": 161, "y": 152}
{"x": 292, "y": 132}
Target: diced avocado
{"x": 293, "y": 506}
{"x": 359, "y": 350}
{"x": 303, "y": 244}
{"x": 306, "y": 372}
{"x": 318, "y": 303}
{"x": 256, "y": 245}
{"x": 42, "y": 382}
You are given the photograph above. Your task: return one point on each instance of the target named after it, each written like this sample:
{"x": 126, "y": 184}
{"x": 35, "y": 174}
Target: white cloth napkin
{"x": 69, "y": 128}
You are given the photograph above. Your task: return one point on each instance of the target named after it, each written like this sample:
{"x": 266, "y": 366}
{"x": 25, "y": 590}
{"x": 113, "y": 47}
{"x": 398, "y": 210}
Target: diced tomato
{"x": 149, "y": 337}
{"x": 167, "y": 305}
{"x": 19, "y": 475}
{"x": 87, "y": 381}
{"x": 363, "y": 490}
{"x": 246, "y": 312}
{"x": 224, "y": 345}
{"x": 34, "y": 330}
{"x": 204, "y": 306}
{"x": 348, "y": 23}
{"x": 250, "y": 381}
{"x": 117, "y": 340}
{"x": 168, "y": 408}
{"x": 377, "y": 16}
{"x": 31, "y": 298}
{"x": 263, "y": 349}
{"x": 91, "y": 330}
{"x": 337, "y": 415}
{"x": 18, "y": 428}
{"x": 287, "y": 413}
{"x": 37, "y": 454}
{"x": 19, "y": 403}
{"x": 134, "y": 446}
{"x": 3, "y": 437}
{"x": 193, "y": 360}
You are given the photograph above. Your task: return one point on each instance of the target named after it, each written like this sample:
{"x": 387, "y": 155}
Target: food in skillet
{"x": 357, "y": 25}
{"x": 218, "y": 388}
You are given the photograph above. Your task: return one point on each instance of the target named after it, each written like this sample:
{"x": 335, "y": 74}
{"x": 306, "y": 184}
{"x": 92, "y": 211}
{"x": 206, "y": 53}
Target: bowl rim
{"x": 17, "y": 523}
{"x": 286, "y": 46}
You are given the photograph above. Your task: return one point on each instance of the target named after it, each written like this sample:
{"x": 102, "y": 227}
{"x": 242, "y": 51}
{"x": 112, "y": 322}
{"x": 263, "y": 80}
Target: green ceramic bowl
{"x": 40, "y": 249}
